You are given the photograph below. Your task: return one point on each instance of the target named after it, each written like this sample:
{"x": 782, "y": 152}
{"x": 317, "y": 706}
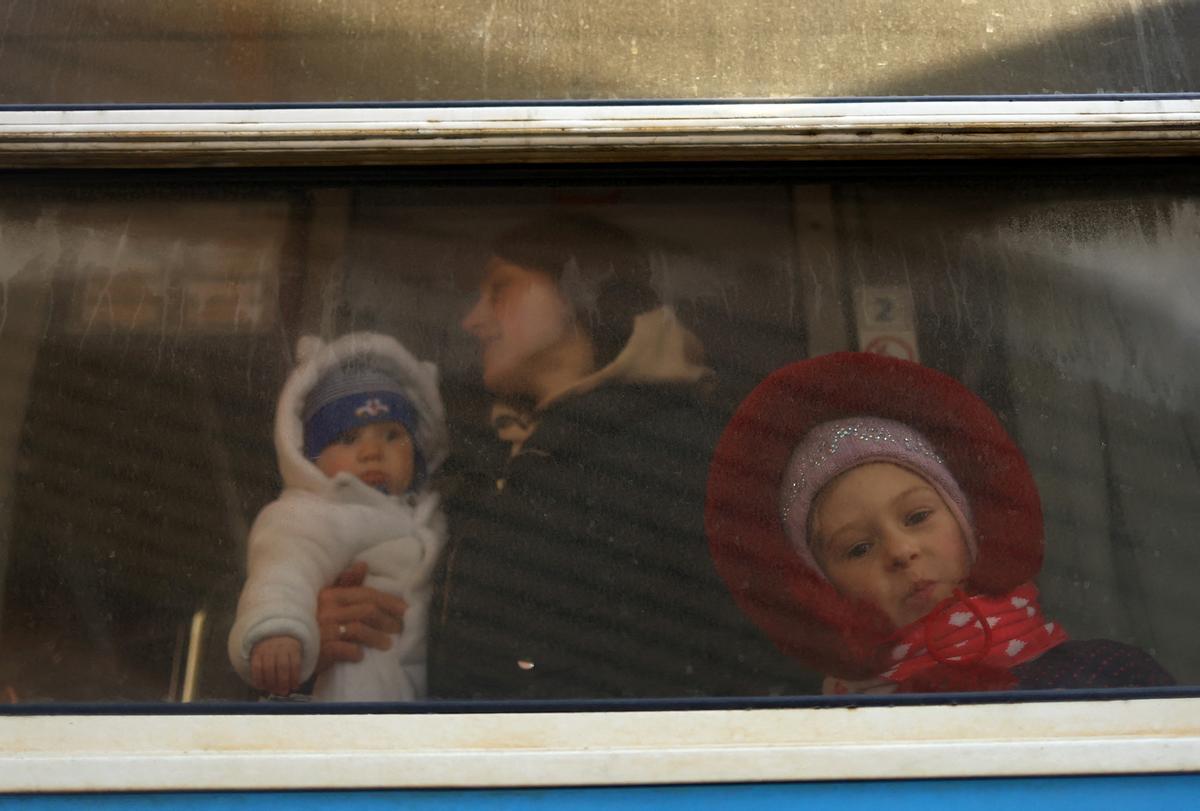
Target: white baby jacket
{"x": 319, "y": 525}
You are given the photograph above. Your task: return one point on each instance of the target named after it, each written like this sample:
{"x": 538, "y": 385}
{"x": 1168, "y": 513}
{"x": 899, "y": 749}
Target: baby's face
{"x": 379, "y": 453}
{"x": 883, "y": 534}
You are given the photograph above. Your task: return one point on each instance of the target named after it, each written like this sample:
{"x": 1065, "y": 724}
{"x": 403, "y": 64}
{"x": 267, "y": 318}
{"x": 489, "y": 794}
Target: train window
{"x": 506, "y": 434}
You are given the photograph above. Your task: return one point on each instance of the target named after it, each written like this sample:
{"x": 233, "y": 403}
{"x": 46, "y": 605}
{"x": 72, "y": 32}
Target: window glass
{"x": 150, "y": 323}
{"x": 94, "y": 52}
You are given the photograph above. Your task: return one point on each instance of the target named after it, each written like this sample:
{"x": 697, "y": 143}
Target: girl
{"x": 874, "y": 518}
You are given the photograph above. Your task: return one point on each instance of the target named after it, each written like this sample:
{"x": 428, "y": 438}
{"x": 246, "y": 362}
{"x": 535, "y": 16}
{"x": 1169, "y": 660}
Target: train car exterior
{"x": 1001, "y": 190}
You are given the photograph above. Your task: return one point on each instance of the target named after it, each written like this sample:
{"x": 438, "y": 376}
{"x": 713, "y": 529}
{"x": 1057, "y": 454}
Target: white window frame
{"x": 237, "y": 136}
{"x": 90, "y": 752}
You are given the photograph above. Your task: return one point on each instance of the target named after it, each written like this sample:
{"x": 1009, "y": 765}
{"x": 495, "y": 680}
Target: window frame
{"x": 102, "y": 749}
{"x": 839, "y": 129}
{"x": 150, "y": 751}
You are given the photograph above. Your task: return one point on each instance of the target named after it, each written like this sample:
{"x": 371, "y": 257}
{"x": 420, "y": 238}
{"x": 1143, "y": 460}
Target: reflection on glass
{"x": 274, "y": 51}
{"x": 591, "y": 343}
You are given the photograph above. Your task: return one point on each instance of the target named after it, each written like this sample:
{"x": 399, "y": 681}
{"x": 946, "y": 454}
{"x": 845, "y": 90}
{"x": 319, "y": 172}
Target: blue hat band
{"x": 337, "y": 417}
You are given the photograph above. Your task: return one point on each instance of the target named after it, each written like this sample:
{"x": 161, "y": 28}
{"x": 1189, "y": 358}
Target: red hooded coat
{"x": 802, "y": 612}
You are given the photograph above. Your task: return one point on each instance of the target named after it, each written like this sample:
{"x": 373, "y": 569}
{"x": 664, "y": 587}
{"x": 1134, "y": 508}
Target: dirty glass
{"x": 149, "y": 322}
{"x": 275, "y": 51}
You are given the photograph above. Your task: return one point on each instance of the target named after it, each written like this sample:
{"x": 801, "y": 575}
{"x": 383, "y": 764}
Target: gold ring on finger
{"x": 341, "y": 631}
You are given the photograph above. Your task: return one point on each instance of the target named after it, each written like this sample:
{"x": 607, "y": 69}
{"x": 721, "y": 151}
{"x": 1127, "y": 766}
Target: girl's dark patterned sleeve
{"x": 1093, "y": 663}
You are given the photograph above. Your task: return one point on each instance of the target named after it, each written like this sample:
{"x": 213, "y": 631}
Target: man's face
{"x": 379, "y": 453}
{"x": 520, "y": 320}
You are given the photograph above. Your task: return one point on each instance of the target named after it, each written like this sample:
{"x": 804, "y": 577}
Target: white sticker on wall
{"x": 886, "y": 321}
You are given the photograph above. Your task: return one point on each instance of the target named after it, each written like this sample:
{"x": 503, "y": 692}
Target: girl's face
{"x": 883, "y": 534}
{"x": 522, "y": 322}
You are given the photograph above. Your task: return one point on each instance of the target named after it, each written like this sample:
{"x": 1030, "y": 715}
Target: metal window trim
{"x": 547, "y": 133}
{"x": 243, "y": 752}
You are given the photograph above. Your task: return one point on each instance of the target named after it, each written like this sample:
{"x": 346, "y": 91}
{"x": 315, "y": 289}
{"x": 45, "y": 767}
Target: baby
{"x": 359, "y": 428}
{"x": 875, "y": 519}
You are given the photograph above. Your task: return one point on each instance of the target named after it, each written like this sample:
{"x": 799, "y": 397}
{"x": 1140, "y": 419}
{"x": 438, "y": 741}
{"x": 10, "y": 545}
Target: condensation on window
{"x": 147, "y": 327}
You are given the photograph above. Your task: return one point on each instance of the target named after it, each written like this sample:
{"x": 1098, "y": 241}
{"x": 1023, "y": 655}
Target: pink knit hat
{"x": 832, "y": 448}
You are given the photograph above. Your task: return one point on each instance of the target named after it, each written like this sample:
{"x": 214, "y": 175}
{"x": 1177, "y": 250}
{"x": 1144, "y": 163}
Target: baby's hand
{"x": 275, "y": 665}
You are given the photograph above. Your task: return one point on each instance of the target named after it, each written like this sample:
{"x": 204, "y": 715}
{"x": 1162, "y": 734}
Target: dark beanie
{"x": 602, "y": 271}
{"x": 357, "y": 394}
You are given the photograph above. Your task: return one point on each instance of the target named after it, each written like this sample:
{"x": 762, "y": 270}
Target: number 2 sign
{"x": 886, "y": 322}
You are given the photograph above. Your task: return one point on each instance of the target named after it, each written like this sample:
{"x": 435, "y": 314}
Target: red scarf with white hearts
{"x": 965, "y": 643}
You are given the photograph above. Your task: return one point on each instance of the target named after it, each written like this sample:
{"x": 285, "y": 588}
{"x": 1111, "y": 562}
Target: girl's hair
{"x": 602, "y": 270}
